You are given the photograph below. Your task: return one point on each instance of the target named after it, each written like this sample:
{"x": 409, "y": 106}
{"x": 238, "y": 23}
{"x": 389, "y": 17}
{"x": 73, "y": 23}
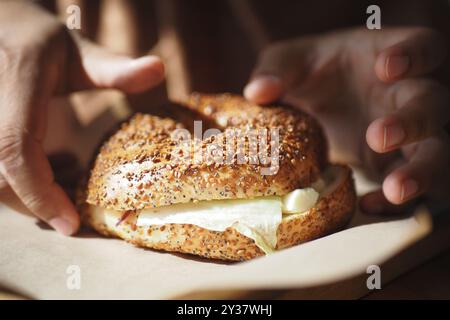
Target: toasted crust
{"x": 136, "y": 169}
{"x": 332, "y": 212}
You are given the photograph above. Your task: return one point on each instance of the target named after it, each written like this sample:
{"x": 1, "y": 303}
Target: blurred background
{"x": 207, "y": 46}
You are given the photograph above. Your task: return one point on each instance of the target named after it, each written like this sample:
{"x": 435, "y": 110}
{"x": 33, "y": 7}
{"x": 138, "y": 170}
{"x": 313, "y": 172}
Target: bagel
{"x": 149, "y": 190}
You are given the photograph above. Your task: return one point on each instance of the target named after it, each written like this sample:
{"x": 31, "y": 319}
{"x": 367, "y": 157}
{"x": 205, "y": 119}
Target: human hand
{"x": 373, "y": 94}
{"x": 39, "y": 59}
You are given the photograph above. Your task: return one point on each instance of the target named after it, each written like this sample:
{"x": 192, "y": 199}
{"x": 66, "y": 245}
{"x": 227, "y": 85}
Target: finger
{"x": 26, "y": 169}
{"x": 278, "y": 67}
{"x": 264, "y": 89}
{"x": 376, "y": 203}
{"x": 422, "y": 110}
{"x": 98, "y": 68}
{"x": 10, "y": 199}
{"x": 420, "y": 53}
{"x": 23, "y": 163}
{"x": 429, "y": 159}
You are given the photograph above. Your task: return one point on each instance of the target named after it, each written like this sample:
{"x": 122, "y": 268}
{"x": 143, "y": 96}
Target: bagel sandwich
{"x": 210, "y": 195}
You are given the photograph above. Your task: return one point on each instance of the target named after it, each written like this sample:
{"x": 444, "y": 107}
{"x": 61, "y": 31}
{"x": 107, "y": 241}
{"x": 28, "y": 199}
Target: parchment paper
{"x": 34, "y": 260}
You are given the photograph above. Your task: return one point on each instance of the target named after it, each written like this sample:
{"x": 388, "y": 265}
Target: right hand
{"x": 378, "y": 101}
{"x": 39, "y": 59}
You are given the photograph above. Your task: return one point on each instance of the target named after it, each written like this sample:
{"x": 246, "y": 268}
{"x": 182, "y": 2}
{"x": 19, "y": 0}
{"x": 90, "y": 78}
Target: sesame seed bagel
{"x": 142, "y": 166}
{"x": 331, "y": 213}
{"x": 138, "y": 166}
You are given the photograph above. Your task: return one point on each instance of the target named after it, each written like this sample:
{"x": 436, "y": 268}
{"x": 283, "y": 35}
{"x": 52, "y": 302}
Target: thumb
{"x": 96, "y": 67}
{"x": 279, "y": 68}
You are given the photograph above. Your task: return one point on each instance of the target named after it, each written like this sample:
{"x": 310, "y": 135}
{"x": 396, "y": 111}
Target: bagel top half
{"x": 135, "y": 169}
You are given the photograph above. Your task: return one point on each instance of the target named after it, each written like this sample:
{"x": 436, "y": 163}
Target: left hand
{"x": 40, "y": 60}
{"x": 373, "y": 94}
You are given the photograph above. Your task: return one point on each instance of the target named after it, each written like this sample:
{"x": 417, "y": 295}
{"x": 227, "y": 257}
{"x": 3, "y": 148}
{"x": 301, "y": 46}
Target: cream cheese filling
{"x": 256, "y": 218}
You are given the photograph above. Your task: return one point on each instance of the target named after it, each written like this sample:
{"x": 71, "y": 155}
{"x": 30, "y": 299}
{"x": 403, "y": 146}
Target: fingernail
{"x": 409, "y": 188}
{"x": 263, "y": 88}
{"x": 143, "y": 73}
{"x": 156, "y": 65}
{"x": 397, "y": 66}
{"x": 393, "y": 135}
{"x": 62, "y": 226}
{"x": 144, "y": 60}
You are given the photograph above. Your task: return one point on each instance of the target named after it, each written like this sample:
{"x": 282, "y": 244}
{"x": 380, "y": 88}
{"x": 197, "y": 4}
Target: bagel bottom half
{"x": 331, "y": 213}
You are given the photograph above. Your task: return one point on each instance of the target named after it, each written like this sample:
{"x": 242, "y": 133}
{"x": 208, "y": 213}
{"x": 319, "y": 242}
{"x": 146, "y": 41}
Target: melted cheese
{"x": 257, "y": 218}
{"x": 299, "y": 200}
